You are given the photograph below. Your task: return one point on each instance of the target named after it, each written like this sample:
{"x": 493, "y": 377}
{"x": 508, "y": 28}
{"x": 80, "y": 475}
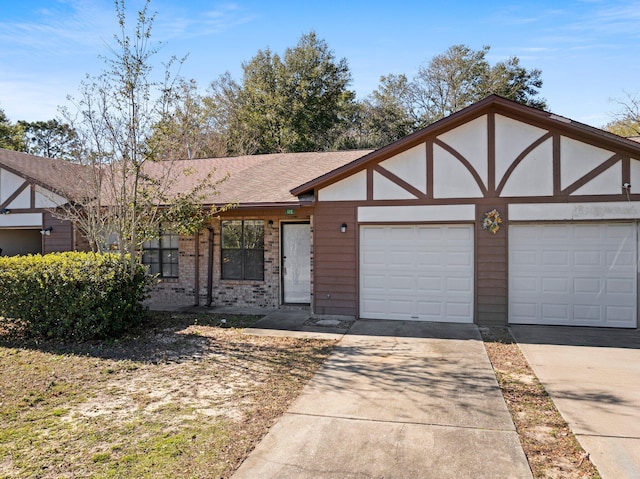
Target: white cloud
{"x": 62, "y": 29}
{"x": 184, "y": 24}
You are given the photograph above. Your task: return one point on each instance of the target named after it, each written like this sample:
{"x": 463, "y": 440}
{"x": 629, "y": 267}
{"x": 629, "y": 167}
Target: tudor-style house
{"x": 497, "y": 214}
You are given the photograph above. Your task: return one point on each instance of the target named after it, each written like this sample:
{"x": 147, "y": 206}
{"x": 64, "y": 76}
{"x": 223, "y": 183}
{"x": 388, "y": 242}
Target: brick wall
{"x": 264, "y": 294}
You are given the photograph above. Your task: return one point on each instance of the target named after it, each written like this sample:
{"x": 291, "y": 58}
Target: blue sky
{"x": 588, "y": 50}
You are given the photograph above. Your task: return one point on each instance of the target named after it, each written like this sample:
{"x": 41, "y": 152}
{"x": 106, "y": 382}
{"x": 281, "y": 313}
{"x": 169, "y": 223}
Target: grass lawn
{"x": 180, "y": 398}
{"x": 189, "y": 396}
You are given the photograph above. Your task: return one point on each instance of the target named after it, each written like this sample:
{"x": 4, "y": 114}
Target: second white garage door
{"x": 575, "y": 274}
{"x": 417, "y": 272}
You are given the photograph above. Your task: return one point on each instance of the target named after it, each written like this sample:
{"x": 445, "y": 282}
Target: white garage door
{"x": 573, "y": 274}
{"x": 420, "y": 273}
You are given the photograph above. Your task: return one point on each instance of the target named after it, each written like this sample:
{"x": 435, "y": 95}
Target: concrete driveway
{"x": 593, "y": 377}
{"x": 396, "y": 400}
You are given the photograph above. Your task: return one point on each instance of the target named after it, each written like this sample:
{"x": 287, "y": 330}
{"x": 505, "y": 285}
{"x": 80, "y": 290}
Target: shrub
{"x": 71, "y": 295}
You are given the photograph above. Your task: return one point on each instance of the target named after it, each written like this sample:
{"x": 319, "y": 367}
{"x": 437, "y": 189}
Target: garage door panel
{"x": 399, "y": 259}
{"x": 398, "y": 233}
{"x": 420, "y": 273}
{"x": 589, "y": 258}
{"x": 587, "y": 285}
{"x": 619, "y": 231}
{"x": 463, "y": 285}
{"x": 524, "y": 285}
{"x": 595, "y": 286}
{"x": 621, "y": 259}
{"x": 401, "y": 306}
{"x": 555, "y": 259}
{"x": 524, "y": 311}
{"x": 431, "y": 284}
{"x": 525, "y": 258}
{"x": 621, "y": 314}
{"x": 587, "y": 312}
{"x": 619, "y": 286}
{"x": 558, "y": 232}
{"x": 429, "y": 259}
{"x": 429, "y": 235}
{"x": 554, "y": 285}
{"x": 555, "y": 311}
{"x": 459, "y": 258}
{"x": 374, "y": 282}
{"x": 429, "y": 309}
{"x": 375, "y": 306}
{"x": 401, "y": 283}
{"x": 373, "y": 257}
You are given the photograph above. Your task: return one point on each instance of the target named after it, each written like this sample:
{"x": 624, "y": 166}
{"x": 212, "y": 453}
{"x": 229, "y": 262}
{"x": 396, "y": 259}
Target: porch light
{"x": 343, "y": 228}
{"x": 5, "y": 211}
{"x": 47, "y": 231}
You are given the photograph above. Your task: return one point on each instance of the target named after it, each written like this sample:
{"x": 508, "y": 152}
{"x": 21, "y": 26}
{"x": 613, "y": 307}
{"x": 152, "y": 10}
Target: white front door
{"x": 417, "y": 272}
{"x": 573, "y": 274}
{"x": 296, "y": 262}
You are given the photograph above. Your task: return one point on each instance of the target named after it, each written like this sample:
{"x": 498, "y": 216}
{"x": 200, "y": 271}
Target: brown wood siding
{"x": 335, "y": 260}
{"x": 491, "y": 269}
{"x": 61, "y": 238}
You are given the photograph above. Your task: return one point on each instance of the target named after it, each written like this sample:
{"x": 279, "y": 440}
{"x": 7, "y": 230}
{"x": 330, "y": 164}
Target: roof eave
{"x": 258, "y": 205}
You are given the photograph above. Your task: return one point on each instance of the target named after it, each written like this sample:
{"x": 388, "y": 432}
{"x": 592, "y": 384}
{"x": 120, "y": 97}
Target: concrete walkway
{"x": 396, "y": 400}
{"x": 593, "y": 377}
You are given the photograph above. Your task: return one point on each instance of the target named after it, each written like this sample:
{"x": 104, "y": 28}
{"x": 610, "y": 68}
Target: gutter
{"x": 210, "y": 268}
{"x": 196, "y": 281}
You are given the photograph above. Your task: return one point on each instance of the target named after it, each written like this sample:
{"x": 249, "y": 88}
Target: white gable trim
{"x": 574, "y": 211}
{"x": 21, "y": 220}
{"x": 407, "y": 214}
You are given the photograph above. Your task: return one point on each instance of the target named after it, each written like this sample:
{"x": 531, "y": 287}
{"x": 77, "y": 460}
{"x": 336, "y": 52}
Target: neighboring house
{"x": 398, "y": 233}
{"x": 29, "y": 187}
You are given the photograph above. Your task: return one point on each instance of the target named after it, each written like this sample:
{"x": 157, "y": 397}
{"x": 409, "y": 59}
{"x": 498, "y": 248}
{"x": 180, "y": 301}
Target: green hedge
{"x": 71, "y": 295}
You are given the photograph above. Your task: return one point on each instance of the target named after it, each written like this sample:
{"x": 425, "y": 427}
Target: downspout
{"x": 196, "y": 269}
{"x": 210, "y": 269}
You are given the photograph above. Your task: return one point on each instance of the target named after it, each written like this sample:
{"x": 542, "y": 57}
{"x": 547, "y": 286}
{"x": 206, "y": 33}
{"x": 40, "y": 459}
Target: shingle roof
{"x": 257, "y": 179}
{"x": 59, "y": 176}
{"x": 253, "y": 180}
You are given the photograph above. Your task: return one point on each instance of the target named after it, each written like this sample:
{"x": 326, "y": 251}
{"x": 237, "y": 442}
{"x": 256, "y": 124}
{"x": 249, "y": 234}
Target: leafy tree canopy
{"x": 297, "y": 102}
{"x": 51, "y": 139}
{"x": 626, "y": 120}
{"x": 11, "y": 136}
{"x": 450, "y": 82}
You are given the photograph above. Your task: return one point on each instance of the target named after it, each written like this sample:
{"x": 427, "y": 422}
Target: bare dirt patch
{"x": 181, "y": 397}
{"x": 551, "y": 448}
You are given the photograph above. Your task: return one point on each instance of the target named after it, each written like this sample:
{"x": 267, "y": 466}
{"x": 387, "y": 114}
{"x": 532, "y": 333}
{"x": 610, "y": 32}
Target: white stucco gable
{"x": 47, "y": 199}
{"x": 352, "y": 188}
{"x": 17, "y": 193}
{"x": 494, "y": 149}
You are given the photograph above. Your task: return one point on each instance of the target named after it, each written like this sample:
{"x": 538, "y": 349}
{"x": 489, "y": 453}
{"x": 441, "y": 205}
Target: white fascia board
{"x": 418, "y": 213}
{"x": 574, "y": 211}
{"x": 21, "y": 220}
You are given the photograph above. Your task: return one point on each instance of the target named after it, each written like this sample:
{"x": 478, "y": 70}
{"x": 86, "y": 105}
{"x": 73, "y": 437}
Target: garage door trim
{"x": 422, "y": 272}
{"x": 573, "y": 274}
